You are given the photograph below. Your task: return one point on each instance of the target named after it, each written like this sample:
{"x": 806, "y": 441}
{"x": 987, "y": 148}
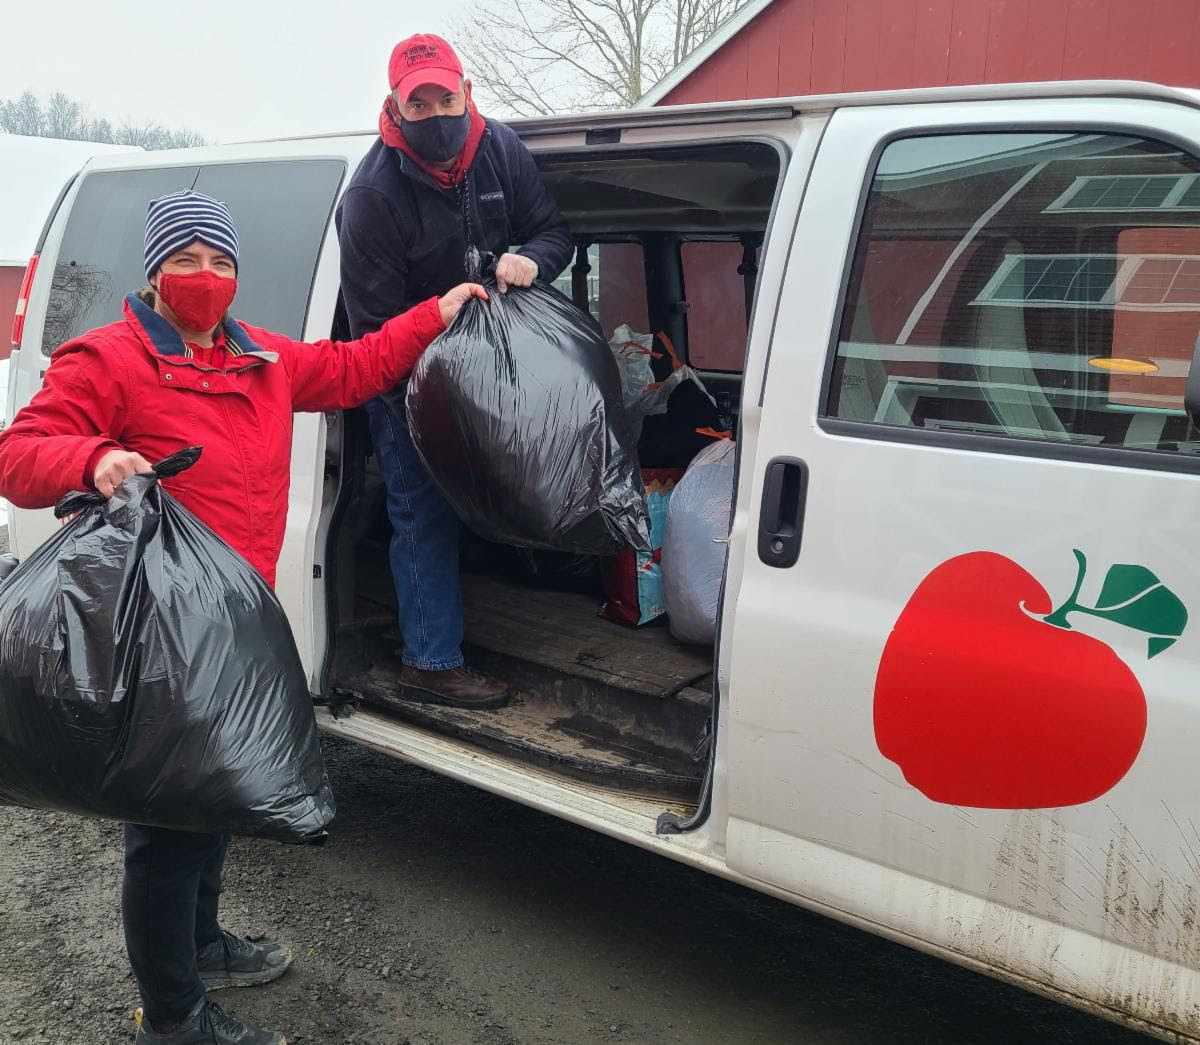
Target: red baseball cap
{"x": 423, "y": 59}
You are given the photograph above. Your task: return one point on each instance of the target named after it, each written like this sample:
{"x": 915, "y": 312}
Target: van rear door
{"x": 93, "y": 256}
{"x": 962, "y": 701}
{"x": 90, "y": 259}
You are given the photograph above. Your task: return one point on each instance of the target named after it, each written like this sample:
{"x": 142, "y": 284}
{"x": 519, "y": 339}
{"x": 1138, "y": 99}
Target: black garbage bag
{"x": 516, "y": 411}
{"x": 148, "y": 673}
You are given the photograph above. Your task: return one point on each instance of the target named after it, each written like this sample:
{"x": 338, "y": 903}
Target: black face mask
{"x": 437, "y": 139}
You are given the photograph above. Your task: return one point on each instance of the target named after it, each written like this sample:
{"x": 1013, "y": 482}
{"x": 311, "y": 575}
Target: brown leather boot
{"x": 458, "y": 687}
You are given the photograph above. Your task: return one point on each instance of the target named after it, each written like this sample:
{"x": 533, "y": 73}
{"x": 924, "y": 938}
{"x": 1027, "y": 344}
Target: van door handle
{"x": 781, "y": 520}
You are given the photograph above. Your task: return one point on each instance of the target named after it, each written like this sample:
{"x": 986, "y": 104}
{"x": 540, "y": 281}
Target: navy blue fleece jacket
{"x": 404, "y": 239}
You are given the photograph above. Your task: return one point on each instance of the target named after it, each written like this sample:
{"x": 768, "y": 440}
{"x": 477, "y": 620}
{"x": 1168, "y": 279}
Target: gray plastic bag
{"x": 695, "y": 545}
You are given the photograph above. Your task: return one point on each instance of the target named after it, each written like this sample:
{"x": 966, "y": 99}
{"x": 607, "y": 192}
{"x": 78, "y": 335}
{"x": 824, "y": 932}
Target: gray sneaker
{"x": 207, "y": 1024}
{"x": 234, "y": 962}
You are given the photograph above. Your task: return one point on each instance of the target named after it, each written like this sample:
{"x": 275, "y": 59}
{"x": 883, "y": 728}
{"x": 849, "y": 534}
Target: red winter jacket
{"x": 134, "y": 385}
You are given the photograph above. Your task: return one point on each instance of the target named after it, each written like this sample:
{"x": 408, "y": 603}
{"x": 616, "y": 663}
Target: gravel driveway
{"x": 442, "y": 915}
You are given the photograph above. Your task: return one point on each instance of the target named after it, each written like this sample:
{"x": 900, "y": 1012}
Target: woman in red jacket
{"x": 177, "y": 370}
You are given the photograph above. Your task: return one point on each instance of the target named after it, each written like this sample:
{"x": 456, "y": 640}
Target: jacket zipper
{"x": 472, "y": 259}
{"x": 250, "y": 365}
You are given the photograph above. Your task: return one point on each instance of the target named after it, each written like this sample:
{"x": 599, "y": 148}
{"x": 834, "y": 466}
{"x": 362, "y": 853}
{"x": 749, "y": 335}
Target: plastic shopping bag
{"x": 693, "y": 546}
{"x": 633, "y": 581}
{"x": 634, "y": 354}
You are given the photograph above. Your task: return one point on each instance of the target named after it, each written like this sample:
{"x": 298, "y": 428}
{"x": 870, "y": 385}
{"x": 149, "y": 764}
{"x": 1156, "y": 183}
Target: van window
{"x": 618, "y": 287}
{"x": 281, "y": 210}
{"x": 1042, "y": 287}
{"x": 716, "y": 297}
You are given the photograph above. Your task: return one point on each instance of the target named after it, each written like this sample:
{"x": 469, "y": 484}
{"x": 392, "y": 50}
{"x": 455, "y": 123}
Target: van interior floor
{"x": 613, "y": 706}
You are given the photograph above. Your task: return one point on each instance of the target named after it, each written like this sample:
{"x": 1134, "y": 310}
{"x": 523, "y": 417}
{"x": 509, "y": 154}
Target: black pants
{"x": 169, "y": 903}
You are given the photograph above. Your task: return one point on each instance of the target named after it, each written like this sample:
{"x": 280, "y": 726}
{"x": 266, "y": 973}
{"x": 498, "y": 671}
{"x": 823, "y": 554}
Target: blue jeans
{"x": 424, "y": 550}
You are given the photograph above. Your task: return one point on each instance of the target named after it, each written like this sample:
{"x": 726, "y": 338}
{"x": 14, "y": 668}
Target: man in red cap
{"x": 440, "y": 183}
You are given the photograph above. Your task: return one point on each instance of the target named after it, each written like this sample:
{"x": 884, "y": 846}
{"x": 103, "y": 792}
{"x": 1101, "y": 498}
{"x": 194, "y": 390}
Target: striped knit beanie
{"x": 177, "y": 220}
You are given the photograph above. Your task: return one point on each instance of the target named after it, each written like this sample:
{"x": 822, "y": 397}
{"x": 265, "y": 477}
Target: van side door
{"x": 962, "y": 701}
{"x": 91, "y": 256}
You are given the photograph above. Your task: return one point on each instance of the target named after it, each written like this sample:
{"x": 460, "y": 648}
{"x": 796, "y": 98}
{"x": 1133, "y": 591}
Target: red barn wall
{"x": 10, "y": 287}
{"x": 798, "y": 47}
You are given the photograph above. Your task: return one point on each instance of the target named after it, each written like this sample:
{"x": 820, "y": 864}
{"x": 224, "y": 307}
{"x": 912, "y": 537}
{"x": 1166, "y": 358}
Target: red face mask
{"x": 198, "y": 299}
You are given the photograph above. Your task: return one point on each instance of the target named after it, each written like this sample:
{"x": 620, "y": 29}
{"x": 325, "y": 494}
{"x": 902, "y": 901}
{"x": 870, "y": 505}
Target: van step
{"x": 547, "y": 733}
{"x": 628, "y": 816}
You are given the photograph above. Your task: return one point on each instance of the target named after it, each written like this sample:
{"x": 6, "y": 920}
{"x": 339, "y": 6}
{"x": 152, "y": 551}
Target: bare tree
{"x": 100, "y": 130}
{"x": 22, "y": 115}
{"x": 64, "y": 117}
{"x": 154, "y": 136}
{"x": 563, "y": 55}
{"x": 74, "y": 291}
{"x": 695, "y": 22}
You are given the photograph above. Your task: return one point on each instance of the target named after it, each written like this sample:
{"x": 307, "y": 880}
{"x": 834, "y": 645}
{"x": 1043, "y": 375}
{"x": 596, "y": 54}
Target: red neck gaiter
{"x": 389, "y": 131}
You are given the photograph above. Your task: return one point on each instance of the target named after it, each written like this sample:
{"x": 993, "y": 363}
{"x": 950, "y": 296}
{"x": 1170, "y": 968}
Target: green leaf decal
{"x": 1136, "y": 598}
{"x": 1158, "y": 645}
{"x": 1124, "y": 584}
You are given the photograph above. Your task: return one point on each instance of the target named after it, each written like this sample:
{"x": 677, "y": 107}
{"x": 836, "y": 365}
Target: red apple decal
{"x": 986, "y": 697}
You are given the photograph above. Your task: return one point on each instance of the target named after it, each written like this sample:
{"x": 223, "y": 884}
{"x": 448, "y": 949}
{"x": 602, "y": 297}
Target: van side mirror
{"x": 1191, "y": 395}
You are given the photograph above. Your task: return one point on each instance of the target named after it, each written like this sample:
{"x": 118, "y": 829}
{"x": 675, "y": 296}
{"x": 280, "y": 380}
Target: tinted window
{"x": 716, "y": 297}
{"x": 619, "y": 278}
{"x": 1040, "y": 287}
{"x": 100, "y": 259}
{"x": 616, "y": 285}
{"x": 281, "y": 210}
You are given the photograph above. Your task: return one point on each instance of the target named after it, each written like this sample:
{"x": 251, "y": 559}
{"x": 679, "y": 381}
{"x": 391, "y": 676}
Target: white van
{"x": 954, "y": 700}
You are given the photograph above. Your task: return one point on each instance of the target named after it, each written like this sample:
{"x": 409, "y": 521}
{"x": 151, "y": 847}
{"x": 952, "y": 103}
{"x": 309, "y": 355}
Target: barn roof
{"x": 733, "y": 25}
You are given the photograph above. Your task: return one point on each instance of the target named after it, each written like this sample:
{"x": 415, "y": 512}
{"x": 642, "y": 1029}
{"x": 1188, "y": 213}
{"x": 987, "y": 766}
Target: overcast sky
{"x": 232, "y": 70}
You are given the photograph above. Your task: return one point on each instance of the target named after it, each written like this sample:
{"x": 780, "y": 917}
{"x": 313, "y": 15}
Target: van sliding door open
{"x": 605, "y": 695}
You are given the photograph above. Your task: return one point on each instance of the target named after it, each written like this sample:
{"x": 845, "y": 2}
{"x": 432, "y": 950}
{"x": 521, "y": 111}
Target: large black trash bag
{"x": 148, "y": 673}
{"x": 516, "y": 411}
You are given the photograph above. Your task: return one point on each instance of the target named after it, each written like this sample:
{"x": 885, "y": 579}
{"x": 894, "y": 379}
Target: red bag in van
{"x": 633, "y": 579}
